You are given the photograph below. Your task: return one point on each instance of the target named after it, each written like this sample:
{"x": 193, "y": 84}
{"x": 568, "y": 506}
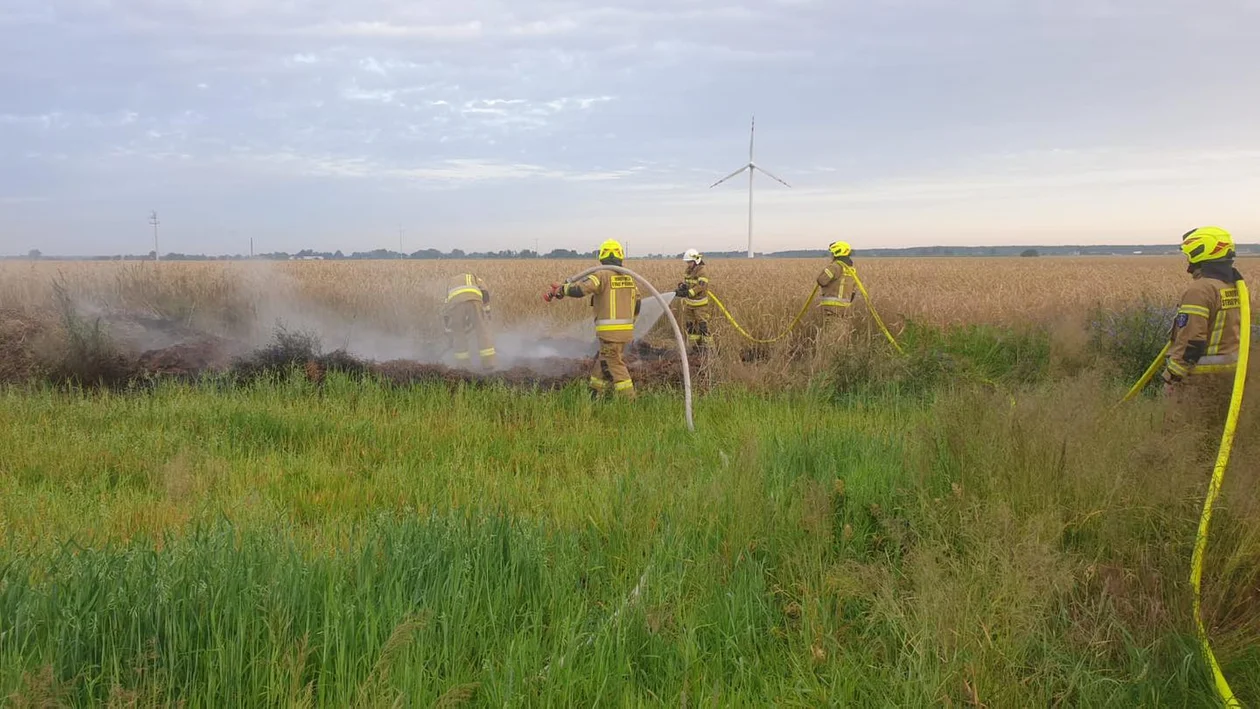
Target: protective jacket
{"x": 615, "y": 300}
{"x": 697, "y": 283}
{"x": 837, "y": 285}
{"x": 466, "y": 287}
{"x": 1207, "y": 330}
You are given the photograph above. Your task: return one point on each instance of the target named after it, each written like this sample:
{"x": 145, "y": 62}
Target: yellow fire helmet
{"x": 1207, "y": 243}
{"x": 840, "y": 249}
{"x": 611, "y": 248}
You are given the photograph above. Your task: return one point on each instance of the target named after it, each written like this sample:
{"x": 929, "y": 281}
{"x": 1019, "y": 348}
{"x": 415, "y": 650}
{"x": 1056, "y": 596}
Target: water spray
{"x": 678, "y": 334}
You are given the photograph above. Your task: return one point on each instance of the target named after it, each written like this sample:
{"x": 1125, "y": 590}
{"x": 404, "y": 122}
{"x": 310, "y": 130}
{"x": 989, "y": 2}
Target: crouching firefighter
{"x": 836, "y": 282}
{"x": 1207, "y": 330}
{"x": 694, "y": 291}
{"x": 466, "y": 316}
{"x": 615, "y": 300}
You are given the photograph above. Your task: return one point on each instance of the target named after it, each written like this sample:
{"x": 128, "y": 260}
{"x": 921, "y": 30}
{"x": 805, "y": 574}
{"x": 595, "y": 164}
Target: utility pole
{"x": 251, "y": 247}
{"x": 400, "y": 246}
{"x": 153, "y": 219}
{"x": 536, "y": 253}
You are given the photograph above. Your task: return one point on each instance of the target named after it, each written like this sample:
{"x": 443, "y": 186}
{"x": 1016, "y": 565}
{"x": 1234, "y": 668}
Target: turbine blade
{"x": 724, "y": 179}
{"x": 771, "y": 175}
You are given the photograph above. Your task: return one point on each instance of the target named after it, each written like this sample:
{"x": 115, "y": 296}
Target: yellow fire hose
{"x": 795, "y": 321}
{"x": 1149, "y": 374}
{"x": 848, "y": 271}
{"x": 866, "y": 297}
{"x": 1214, "y": 488}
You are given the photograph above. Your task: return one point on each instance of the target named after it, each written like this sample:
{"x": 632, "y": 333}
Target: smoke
{"x": 243, "y": 307}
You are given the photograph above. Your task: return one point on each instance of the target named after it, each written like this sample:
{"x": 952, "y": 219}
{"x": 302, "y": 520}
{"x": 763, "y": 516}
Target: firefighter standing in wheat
{"x": 466, "y": 317}
{"x": 836, "y": 282}
{"x": 615, "y": 300}
{"x": 694, "y": 291}
{"x": 1207, "y": 330}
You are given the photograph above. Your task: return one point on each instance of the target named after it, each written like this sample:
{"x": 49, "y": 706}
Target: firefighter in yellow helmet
{"x": 836, "y": 281}
{"x": 615, "y": 300}
{"x": 466, "y": 316}
{"x": 1207, "y": 330}
{"x": 694, "y": 291}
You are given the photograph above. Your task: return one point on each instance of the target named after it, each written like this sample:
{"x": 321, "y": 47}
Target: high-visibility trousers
{"x": 468, "y": 326}
{"x": 696, "y": 323}
{"x": 610, "y": 373}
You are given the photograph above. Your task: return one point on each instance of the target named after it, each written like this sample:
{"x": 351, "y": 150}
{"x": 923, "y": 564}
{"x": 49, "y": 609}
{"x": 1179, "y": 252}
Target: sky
{"x": 489, "y": 124}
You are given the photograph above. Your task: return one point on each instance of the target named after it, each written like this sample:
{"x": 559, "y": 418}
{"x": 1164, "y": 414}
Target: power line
{"x": 153, "y": 220}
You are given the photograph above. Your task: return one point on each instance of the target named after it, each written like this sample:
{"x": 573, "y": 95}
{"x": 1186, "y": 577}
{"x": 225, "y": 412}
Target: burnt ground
{"x": 18, "y": 337}
{"x": 82, "y": 356}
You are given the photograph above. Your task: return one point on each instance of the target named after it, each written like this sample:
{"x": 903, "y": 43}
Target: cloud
{"x": 389, "y": 30}
{"x": 545, "y": 28}
{"x": 582, "y": 103}
{"x": 452, "y": 171}
{"x": 372, "y": 66}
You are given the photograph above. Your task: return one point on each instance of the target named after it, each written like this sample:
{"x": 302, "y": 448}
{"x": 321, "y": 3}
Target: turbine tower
{"x": 751, "y": 167}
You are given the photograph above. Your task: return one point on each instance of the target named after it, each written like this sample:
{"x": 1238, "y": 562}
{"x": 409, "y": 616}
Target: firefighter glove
{"x": 682, "y": 290}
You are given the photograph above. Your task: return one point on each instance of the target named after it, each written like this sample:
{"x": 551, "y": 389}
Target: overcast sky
{"x": 489, "y": 124}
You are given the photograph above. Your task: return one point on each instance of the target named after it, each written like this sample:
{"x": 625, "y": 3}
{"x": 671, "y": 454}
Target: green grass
{"x": 284, "y": 543}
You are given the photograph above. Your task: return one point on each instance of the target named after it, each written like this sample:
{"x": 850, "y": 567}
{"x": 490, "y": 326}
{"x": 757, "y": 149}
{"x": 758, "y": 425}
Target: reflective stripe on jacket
{"x": 614, "y": 298}
{"x": 697, "y": 282}
{"x": 1208, "y": 329}
{"x": 464, "y": 287}
{"x": 836, "y": 283}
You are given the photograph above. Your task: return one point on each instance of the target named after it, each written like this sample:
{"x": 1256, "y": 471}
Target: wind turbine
{"x": 751, "y": 167}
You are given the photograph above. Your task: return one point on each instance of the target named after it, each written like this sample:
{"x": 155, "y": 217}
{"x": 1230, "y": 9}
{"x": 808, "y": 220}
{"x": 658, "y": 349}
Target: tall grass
{"x": 282, "y": 543}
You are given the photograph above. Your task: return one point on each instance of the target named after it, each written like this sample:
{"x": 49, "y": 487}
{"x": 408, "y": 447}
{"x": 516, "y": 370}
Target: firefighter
{"x": 466, "y": 316}
{"x": 694, "y": 290}
{"x": 615, "y": 300}
{"x": 1207, "y": 329}
{"x": 838, "y": 289}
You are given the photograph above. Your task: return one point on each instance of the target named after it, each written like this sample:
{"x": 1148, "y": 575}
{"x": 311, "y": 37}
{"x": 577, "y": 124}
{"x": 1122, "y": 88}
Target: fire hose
{"x": 848, "y": 271}
{"x": 678, "y": 334}
{"x": 1214, "y": 488}
{"x": 738, "y": 328}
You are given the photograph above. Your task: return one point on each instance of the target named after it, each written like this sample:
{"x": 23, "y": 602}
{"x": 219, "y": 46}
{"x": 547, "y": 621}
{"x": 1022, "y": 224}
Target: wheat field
{"x": 404, "y": 296}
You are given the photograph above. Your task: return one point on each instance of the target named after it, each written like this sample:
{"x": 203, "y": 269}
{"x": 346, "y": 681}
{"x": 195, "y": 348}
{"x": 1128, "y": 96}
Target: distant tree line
{"x": 433, "y": 254}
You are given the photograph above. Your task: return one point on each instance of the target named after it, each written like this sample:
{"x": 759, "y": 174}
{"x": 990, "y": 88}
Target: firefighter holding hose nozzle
{"x": 1207, "y": 329}
{"x": 694, "y": 291}
{"x": 615, "y": 300}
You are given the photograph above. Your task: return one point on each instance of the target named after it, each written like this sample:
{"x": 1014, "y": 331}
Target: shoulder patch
{"x": 1181, "y": 320}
